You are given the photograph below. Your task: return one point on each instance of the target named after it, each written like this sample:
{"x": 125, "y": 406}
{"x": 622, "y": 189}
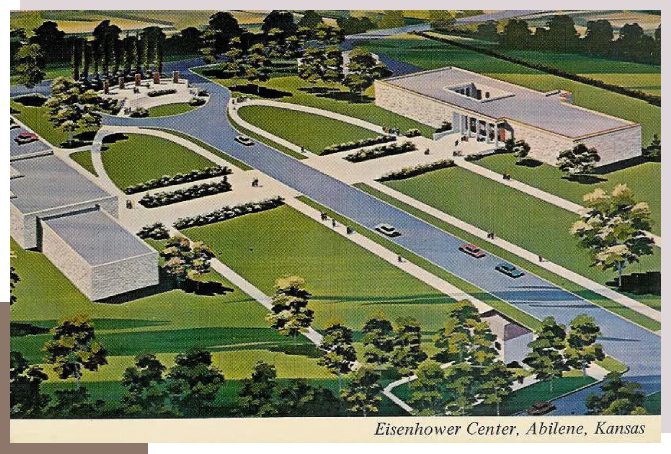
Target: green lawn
{"x": 653, "y": 404}
{"x": 644, "y": 179}
{"x": 141, "y": 157}
{"x": 315, "y": 132}
{"x": 348, "y": 283}
{"x": 524, "y": 220}
{"x": 430, "y": 54}
{"x": 170, "y": 109}
{"x": 83, "y": 158}
{"x": 37, "y": 119}
{"x": 52, "y": 70}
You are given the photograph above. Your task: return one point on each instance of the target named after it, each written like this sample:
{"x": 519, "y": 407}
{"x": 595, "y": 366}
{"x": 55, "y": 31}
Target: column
{"x": 496, "y": 134}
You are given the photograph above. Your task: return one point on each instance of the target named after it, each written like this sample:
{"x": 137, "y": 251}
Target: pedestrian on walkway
{"x": 400, "y": 259}
{"x": 540, "y": 258}
{"x": 427, "y": 151}
{"x": 333, "y": 223}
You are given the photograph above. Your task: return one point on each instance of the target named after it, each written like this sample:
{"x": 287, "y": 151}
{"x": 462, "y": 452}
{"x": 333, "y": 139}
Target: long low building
{"x": 476, "y": 107}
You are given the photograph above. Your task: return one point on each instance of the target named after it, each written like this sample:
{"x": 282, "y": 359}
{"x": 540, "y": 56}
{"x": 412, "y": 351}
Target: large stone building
{"x": 490, "y": 111}
{"x": 56, "y": 210}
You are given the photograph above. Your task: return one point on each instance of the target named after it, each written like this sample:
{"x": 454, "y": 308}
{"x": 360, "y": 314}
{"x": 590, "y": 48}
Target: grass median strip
{"x": 264, "y": 140}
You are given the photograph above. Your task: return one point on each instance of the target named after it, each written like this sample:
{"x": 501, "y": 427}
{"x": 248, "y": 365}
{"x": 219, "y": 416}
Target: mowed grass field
{"x": 37, "y": 119}
{"x": 430, "y": 54}
{"x": 83, "y": 158}
{"x": 347, "y": 282}
{"x": 524, "y": 220}
{"x": 139, "y": 158}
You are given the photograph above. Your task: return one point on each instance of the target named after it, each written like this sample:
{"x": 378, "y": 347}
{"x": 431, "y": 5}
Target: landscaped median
{"x": 381, "y": 151}
{"x": 181, "y": 195}
{"x": 180, "y": 178}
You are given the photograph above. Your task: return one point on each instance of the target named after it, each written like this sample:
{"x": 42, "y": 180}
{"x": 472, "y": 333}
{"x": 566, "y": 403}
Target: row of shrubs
{"x": 655, "y": 100}
{"x": 378, "y": 152}
{"x": 140, "y": 112}
{"x": 358, "y": 144}
{"x": 408, "y": 172}
{"x": 161, "y": 92}
{"x": 228, "y": 212}
{"x": 155, "y": 231}
{"x": 412, "y": 133}
{"x": 195, "y": 101}
{"x": 180, "y": 195}
{"x": 180, "y": 178}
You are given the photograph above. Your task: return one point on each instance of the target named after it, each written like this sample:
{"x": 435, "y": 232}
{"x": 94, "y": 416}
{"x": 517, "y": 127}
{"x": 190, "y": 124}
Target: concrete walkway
{"x": 521, "y": 252}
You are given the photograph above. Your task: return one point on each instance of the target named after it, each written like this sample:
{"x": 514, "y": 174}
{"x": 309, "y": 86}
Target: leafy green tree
{"x": 184, "y": 260}
{"x": 310, "y": 19}
{"x": 224, "y": 27}
{"x": 234, "y": 64}
{"x": 51, "y": 40}
{"x": 546, "y": 358}
{"x": 521, "y": 151}
{"x": 618, "y": 397}
{"x": 75, "y": 404}
{"x": 282, "y": 20}
{"x": 598, "y": 38}
{"x": 496, "y": 385}
{"x": 290, "y": 314}
{"x": 362, "y": 394}
{"x": 26, "y": 399}
{"x": 339, "y": 355}
{"x": 146, "y": 393}
{"x": 257, "y": 65}
{"x": 311, "y": 67}
{"x": 333, "y": 65}
{"x": 578, "y": 161}
{"x": 298, "y": 398}
{"x": 257, "y": 396}
{"x": 378, "y": 341}
{"x": 13, "y": 280}
{"x": 561, "y": 34}
{"x": 614, "y": 229}
{"x": 582, "y": 349}
{"x": 453, "y": 341}
{"x": 462, "y": 388}
{"x": 327, "y": 34}
{"x": 74, "y": 347}
{"x": 427, "y": 390}
{"x": 516, "y": 35}
{"x": 363, "y": 70}
{"x": 208, "y": 51}
{"x": 488, "y": 31}
{"x": 193, "y": 383}
{"x": 29, "y": 65}
{"x": 408, "y": 353}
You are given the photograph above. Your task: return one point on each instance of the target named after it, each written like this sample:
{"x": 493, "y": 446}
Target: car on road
{"x": 541, "y": 408}
{"x": 388, "y": 230}
{"x": 244, "y": 140}
{"x": 472, "y": 250}
{"x": 26, "y": 137}
{"x": 509, "y": 270}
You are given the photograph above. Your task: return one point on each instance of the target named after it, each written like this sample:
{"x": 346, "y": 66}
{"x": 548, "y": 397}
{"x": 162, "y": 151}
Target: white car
{"x": 244, "y": 140}
{"x": 388, "y": 230}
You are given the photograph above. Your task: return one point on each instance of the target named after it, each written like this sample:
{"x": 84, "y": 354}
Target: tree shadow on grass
{"x": 585, "y": 179}
{"x": 338, "y": 95}
{"x": 649, "y": 283}
{"x": 80, "y": 140}
{"x": 263, "y": 92}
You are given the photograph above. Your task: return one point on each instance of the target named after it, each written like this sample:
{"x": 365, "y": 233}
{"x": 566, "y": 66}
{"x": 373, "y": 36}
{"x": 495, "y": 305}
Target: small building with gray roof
{"x": 476, "y": 107}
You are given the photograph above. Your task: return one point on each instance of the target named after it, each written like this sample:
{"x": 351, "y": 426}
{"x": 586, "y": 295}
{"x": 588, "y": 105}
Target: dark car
{"x": 509, "y": 270}
{"x": 541, "y": 408}
{"x": 26, "y": 137}
{"x": 472, "y": 250}
{"x": 388, "y": 230}
{"x": 244, "y": 140}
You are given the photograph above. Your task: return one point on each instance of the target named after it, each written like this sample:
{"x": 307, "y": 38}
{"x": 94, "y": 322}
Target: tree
{"x": 105, "y": 37}
{"x": 516, "y": 35}
{"x": 13, "y": 280}
{"x": 618, "y": 397}
{"x": 392, "y": 19}
{"x": 462, "y": 388}
{"x": 598, "y": 38}
{"x": 298, "y": 398}
{"x": 326, "y": 34}
{"x": 310, "y": 19}
{"x": 582, "y": 349}
{"x": 290, "y": 314}
{"x": 224, "y": 27}
{"x": 546, "y": 358}
{"x": 282, "y": 20}
{"x": 363, "y": 70}
{"x": 453, "y": 341}
{"x": 74, "y": 404}
{"x": 129, "y": 53}
{"x": 257, "y": 66}
{"x": 26, "y": 400}
{"x": 257, "y": 393}
{"x": 521, "y": 151}
{"x": 76, "y": 61}
{"x": 339, "y": 355}
{"x": 353, "y": 25}
{"x": 427, "y": 390}
{"x": 614, "y": 229}
{"x": 488, "y": 31}
{"x": 311, "y": 67}
{"x": 29, "y": 65}
{"x": 378, "y": 341}
{"x": 194, "y": 383}
{"x": 653, "y": 152}
{"x": 333, "y": 65}
{"x": 496, "y": 385}
{"x": 362, "y": 393}
{"x": 146, "y": 394}
{"x": 234, "y": 63}
{"x": 208, "y": 50}
{"x": 577, "y": 161}
{"x": 74, "y": 347}
{"x": 561, "y": 34}
{"x": 442, "y": 19}
{"x": 185, "y": 261}
{"x": 51, "y": 40}
{"x": 408, "y": 353}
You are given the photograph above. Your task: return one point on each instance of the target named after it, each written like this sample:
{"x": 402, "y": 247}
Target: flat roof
{"x": 16, "y": 151}
{"x": 46, "y": 182}
{"x": 97, "y": 237}
{"x": 541, "y": 110}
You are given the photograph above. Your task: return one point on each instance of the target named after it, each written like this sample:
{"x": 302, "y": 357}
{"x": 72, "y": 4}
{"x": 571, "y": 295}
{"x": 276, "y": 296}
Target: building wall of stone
{"x": 124, "y": 276}
{"x": 545, "y": 146}
{"x": 617, "y": 145}
{"x": 408, "y": 104}
{"x": 71, "y": 264}
{"x": 17, "y": 225}
{"x": 515, "y": 350}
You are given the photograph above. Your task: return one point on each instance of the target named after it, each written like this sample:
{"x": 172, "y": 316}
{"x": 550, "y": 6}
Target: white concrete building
{"x": 491, "y": 111}
{"x": 512, "y": 338}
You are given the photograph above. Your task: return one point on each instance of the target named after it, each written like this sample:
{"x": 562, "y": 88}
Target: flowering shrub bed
{"x": 180, "y": 195}
{"x": 156, "y": 231}
{"x": 357, "y": 144}
{"x": 161, "y": 92}
{"x": 195, "y": 175}
{"x": 378, "y": 152}
{"x": 408, "y": 172}
{"x": 228, "y": 212}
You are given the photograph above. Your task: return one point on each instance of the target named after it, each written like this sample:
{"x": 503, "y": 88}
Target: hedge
{"x": 228, "y": 212}
{"x": 357, "y": 144}
{"x": 412, "y": 133}
{"x": 156, "y": 231}
{"x": 161, "y": 92}
{"x": 408, "y": 172}
{"x": 180, "y": 195}
{"x": 195, "y": 175}
{"x": 378, "y": 152}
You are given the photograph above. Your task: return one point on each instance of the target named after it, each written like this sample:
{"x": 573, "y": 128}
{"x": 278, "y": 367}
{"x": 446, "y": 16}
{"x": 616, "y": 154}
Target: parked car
{"x": 509, "y": 270}
{"x": 541, "y": 408}
{"x": 244, "y": 140}
{"x": 472, "y": 250}
{"x": 387, "y": 229}
{"x": 26, "y": 137}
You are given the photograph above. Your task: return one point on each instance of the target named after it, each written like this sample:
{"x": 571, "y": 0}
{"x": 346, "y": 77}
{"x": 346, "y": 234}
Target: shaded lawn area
{"x": 170, "y": 109}
{"x": 140, "y": 158}
{"x": 524, "y": 220}
{"x": 52, "y": 71}
{"x": 83, "y": 158}
{"x": 429, "y": 54}
{"x": 644, "y": 179}
{"x": 595, "y": 298}
{"x": 348, "y": 283}
{"x": 653, "y": 404}
{"x": 37, "y": 119}
{"x": 311, "y": 131}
